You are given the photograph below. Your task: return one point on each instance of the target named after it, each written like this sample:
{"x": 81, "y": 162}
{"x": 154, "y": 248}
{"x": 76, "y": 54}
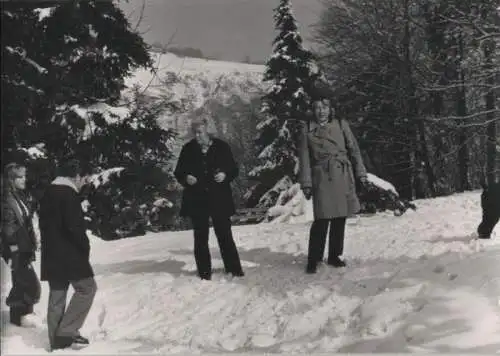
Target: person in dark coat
{"x": 205, "y": 169}
{"x": 490, "y": 206}
{"x": 330, "y": 164}
{"x": 65, "y": 251}
{"x": 18, "y": 247}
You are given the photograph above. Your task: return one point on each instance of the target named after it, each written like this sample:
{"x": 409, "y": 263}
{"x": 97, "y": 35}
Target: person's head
{"x": 73, "y": 170}
{"x": 199, "y": 128}
{"x": 15, "y": 177}
{"x": 322, "y": 110}
{"x": 321, "y": 103}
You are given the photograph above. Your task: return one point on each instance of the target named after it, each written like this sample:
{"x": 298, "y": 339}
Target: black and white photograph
{"x": 250, "y": 177}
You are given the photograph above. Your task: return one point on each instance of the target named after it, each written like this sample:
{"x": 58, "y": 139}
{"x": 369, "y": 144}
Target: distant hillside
{"x": 193, "y": 82}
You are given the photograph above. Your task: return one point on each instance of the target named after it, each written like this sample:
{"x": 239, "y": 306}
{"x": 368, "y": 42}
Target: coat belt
{"x": 329, "y": 161}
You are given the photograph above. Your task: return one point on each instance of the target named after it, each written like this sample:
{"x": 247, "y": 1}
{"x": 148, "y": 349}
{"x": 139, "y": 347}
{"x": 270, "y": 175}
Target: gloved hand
{"x": 364, "y": 182}
{"x": 307, "y": 192}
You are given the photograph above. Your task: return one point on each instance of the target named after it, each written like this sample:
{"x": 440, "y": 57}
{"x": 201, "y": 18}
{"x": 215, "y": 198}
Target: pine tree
{"x": 291, "y": 70}
{"x": 64, "y": 65}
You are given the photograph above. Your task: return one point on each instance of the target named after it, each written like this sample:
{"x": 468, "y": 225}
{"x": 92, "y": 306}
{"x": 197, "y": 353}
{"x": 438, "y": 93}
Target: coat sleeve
{"x": 231, "y": 168}
{"x": 10, "y": 224}
{"x": 74, "y": 222}
{"x": 354, "y": 151}
{"x": 180, "y": 171}
{"x": 305, "y": 178}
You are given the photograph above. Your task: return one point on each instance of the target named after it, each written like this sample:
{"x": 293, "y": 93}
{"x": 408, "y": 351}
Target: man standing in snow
{"x": 65, "y": 250}
{"x": 330, "y": 162}
{"x": 205, "y": 169}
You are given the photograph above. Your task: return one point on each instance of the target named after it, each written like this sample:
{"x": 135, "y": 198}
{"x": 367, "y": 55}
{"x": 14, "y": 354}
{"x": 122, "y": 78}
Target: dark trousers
{"x": 317, "y": 239}
{"x": 66, "y": 322}
{"x": 26, "y": 289}
{"x": 228, "y": 251}
{"x": 490, "y": 205}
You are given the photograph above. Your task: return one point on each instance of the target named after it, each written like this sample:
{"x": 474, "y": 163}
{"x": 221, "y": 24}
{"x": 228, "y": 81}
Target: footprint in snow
{"x": 438, "y": 269}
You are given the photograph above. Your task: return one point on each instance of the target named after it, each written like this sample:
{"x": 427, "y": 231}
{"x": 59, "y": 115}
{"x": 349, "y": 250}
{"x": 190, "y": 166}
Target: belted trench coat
{"x": 330, "y": 163}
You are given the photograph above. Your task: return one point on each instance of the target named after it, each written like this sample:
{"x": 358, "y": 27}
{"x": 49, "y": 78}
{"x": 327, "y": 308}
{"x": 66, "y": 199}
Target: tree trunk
{"x": 426, "y": 158}
{"x": 491, "y": 130}
{"x": 409, "y": 104}
{"x": 463, "y": 148}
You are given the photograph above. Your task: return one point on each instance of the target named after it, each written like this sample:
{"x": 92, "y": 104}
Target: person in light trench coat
{"x": 330, "y": 163}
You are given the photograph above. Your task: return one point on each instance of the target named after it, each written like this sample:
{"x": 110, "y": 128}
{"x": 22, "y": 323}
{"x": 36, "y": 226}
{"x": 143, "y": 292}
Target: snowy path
{"x": 416, "y": 283}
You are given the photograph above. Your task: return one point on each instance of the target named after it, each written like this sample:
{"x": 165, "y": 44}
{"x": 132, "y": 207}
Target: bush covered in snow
{"x": 378, "y": 196}
{"x": 126, "y": 202}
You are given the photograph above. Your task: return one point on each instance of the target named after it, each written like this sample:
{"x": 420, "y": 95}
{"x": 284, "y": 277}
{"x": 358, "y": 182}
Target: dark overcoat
{"x": 330, "y": 162}
{"x": 17, "y": 228}
{"x": 206, "y": 196}
{"x": 65, "y": 247}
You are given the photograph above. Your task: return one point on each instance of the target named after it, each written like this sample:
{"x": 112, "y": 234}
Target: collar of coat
{"x": 314, "y": 126}
{"x": 65, "y": 181}
{"x": 15, "y": 201}
{"x": 213, "y": 142}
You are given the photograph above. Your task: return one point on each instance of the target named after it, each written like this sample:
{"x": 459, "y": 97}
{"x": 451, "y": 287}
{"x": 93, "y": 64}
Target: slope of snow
{"x": 415, "y": 283}
{"x": 191, "y": 82}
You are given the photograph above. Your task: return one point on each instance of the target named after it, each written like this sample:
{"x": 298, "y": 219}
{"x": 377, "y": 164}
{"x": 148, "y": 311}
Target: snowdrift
{"x": 379, "y": 196}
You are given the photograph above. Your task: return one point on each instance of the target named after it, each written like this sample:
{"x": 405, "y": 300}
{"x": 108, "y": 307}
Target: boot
{"x": 15, "y": 316}
{"x": 336, "y": 262}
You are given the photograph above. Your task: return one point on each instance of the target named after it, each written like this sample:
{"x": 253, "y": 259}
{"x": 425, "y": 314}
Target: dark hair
{"x": 70, "y": 168}
{"x": 321, "y": 91}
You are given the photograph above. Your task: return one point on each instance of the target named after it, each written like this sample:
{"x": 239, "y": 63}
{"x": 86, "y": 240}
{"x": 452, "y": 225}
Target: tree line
{"x": 418, "y": 81}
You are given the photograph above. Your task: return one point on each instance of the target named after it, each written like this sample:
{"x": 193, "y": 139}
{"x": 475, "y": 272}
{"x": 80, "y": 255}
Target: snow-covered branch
{"x": 23, "y": 55}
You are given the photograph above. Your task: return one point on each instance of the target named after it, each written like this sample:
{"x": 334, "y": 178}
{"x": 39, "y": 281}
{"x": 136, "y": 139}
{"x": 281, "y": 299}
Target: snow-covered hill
{"x": 415, "y": 283}
{"x": 193, "y": 81}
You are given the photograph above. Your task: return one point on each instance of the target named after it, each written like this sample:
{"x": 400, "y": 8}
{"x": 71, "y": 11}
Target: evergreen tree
{"x": 64, "y": 65}
{"x": 292, "y": 72}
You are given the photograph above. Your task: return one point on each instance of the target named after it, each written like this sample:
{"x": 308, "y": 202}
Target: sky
{"x": 224, "y": 29}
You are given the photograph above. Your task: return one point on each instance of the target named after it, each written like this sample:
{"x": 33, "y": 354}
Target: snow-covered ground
{"x": 415, "y": 283}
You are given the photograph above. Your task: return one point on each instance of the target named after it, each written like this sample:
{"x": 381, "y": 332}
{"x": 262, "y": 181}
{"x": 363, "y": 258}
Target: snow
{"x": 162, "y": 202}
{"x": 35, "y": 151}
{"x": 419, "y": 283}
{"x": 192, "y": 82}
{"x": 103, "y": 177}
{"x": 43, "y": 12}
{"x": 185, "y": 66}
{"x": 21, "y": 52}
{"x": 291, "y": 206}
{"x": 379, "y": 182}
{"x": 111, "y": 114}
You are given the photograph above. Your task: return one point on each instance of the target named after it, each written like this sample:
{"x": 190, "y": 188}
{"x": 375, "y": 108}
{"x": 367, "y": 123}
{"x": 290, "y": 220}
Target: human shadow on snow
{"x": 170, "y": 266}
